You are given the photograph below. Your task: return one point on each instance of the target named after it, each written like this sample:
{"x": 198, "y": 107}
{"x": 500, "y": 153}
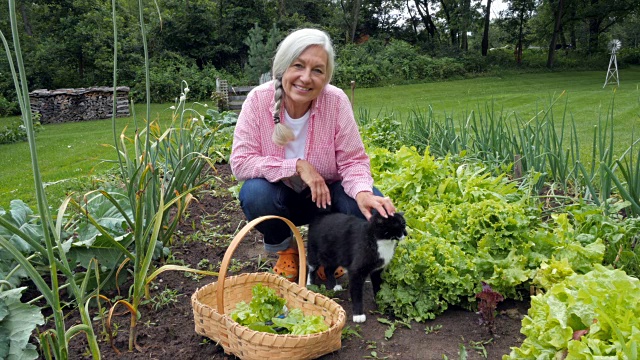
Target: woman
{"x": 297, "y": 147}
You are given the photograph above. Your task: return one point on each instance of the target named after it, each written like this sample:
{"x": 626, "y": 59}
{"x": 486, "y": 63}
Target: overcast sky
{"x": 496, "y": 7}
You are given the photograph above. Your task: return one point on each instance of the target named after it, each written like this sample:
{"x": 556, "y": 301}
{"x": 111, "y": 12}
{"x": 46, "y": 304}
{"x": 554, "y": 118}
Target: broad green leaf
{"x": 590, "y": 302}
{"x": 16, "y": 326}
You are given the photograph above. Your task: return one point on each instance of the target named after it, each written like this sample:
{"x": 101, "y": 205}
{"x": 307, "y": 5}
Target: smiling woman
{"x": 297, "y": 147}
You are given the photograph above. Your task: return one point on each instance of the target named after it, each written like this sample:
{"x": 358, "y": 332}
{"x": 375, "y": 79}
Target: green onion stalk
{"x": 56, "y": 339}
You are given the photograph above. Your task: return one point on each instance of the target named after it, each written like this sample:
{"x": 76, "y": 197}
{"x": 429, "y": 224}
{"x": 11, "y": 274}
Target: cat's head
{"x": 389, "y": 228}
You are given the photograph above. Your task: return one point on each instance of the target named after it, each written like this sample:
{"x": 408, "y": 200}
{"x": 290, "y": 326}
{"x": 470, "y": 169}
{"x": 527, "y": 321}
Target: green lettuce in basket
{"x": 299, "y": 324}
{"x": 267, "y": 313}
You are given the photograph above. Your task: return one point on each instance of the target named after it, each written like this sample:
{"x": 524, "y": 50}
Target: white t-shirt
{"x": 295, "y": 149}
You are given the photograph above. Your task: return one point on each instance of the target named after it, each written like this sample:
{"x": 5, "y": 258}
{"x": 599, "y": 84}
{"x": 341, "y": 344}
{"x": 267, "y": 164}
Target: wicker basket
{"x": 211, "y": 304}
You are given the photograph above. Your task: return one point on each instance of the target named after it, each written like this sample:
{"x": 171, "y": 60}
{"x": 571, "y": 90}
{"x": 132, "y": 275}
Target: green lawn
{"x": 74, "y": 150}
{"x": 66, "y": 152}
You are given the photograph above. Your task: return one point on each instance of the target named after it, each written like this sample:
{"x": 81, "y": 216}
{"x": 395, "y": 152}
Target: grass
{"x": 74, "y": 151}
{"x": 521, "y": 95}
{"x": 71, "y": 156}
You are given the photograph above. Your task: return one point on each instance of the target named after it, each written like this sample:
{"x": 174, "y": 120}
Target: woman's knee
{"x": 256, "y": 196}
{"x": 259, "y": 197}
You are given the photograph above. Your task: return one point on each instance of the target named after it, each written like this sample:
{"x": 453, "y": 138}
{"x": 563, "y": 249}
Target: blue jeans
{"x": 259, "y": 197}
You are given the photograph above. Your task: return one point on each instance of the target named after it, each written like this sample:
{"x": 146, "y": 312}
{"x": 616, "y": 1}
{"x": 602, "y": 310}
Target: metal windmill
{"x": 614, "y": 46}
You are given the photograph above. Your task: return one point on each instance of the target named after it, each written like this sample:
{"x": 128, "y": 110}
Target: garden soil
{"x": 167, "y": 332}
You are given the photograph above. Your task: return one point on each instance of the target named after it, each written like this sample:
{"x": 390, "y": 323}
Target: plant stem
{"x": 43, "y": 208}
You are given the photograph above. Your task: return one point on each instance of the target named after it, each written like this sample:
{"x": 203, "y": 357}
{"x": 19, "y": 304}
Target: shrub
{"x": 445, "y": 68}
{"x": 16, "y": 132}
{"x": 630, "y": 56}
{"x": 380, "y": 63}
{"x": 167, "y": 72}
{"x": 7, "y": 107}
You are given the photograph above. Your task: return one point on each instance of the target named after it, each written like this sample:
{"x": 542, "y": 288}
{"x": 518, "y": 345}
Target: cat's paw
{"x": 359, "y": 318}
{"x": 338, "y": 287}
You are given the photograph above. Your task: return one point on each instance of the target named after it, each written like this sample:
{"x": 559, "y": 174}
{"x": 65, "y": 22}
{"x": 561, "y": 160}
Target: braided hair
{"x": 282, "y": 134}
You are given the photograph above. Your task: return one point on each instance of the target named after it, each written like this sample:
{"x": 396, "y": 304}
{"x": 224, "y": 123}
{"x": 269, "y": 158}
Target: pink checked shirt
{"x": 333, "y": 147}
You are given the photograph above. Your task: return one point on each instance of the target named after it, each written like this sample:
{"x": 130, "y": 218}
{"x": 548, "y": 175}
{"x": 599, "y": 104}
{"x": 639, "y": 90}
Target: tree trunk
{"x": 351, "y": 13}
{"x": 519, "y": 45}
{"x": 594, "y": 31}
{"x": 464, "y": 33}
{"x": 554, "y": 37}
{"x": 413, "y": 21}
{"x": 426, "y": 18}
{"x": 25, "y": 19}
{"x": 485, "y": 34}
{"x": 453, "y": 30}
{"x": 354, "y": 18}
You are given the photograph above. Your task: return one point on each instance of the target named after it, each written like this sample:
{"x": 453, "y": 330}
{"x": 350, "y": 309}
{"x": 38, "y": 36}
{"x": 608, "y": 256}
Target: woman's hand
{"x": 367, "y": 201}
{"x": 319, "y": 190}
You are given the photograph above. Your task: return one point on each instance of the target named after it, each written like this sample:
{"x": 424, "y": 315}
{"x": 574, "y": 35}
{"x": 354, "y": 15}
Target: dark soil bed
{"x": 168, "y": 333}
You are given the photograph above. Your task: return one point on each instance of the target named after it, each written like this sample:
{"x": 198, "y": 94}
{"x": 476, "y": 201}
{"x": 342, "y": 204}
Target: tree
{"x": 261, "y": 52}
{"x": 350, "y": 15}
{"x": 422, "y": 7}
{"x": 381, "y": 17}
{"x": 601, "y": 15}
{"x": 458, "y": 15}
{"x": 485, "y": 32}
{"x": 515, "y": 22}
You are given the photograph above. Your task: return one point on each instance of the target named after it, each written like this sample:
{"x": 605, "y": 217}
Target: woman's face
{"x": 304, "y": 79}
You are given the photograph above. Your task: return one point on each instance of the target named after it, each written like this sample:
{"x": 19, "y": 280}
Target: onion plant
{"x": 629, "y": 170}
{"x": 546, "y": 150}
{"x": 159, "y": 179}
{"x": 54, "y": 342}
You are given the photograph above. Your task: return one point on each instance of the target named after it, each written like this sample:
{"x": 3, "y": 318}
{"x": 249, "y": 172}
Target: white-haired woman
{"x": 297, "y": 147}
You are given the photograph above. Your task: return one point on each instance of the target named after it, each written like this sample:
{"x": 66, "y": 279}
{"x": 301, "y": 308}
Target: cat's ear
{"x": 375, "y": 216}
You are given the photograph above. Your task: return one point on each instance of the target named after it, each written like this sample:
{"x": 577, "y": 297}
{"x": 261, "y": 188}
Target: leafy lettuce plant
{"x": 587, "y": 316}
{"x": 552, "y": 273}
{"x": 620, "y": 234}
{"x": 466, "y": 227}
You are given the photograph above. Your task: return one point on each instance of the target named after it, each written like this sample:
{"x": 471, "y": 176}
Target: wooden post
{"x": 517, "y": 166}
{"x": 353, "y": 88}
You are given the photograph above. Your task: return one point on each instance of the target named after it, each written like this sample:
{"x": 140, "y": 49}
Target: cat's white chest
{"x": 386, "y": 248}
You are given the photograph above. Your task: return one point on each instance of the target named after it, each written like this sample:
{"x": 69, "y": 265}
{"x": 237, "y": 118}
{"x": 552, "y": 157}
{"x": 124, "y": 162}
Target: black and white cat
{"x": 362, "y": 247}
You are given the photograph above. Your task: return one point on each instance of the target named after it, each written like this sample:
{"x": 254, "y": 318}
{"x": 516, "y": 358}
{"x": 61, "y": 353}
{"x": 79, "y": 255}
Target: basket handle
{"x": 222, "y": 274}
